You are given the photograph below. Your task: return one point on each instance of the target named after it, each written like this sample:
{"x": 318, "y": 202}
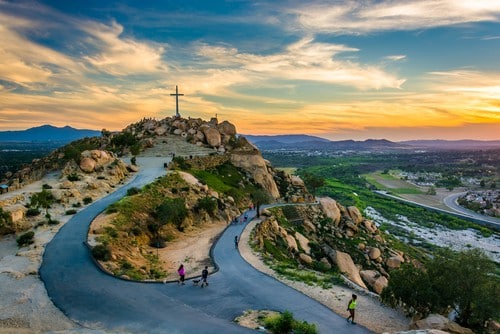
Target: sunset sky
{"x": 337, "y": 69}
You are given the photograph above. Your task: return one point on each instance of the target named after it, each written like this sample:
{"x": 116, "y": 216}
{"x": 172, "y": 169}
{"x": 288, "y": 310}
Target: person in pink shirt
{"x": 182, "y": 274}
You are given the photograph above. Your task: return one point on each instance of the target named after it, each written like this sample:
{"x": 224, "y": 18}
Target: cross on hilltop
{"x": 177, "y": 101}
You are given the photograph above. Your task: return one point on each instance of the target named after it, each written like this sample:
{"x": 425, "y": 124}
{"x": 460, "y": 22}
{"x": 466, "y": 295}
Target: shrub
{"x": 73, "y": 177}
{"x": 285, "y": 324}
{"x": 53, "y": 221}
{"x": 172, "y": 210}
{"x": 32, "y": 212}
{"x": 25, "y": 239}
{"x": 181, "y": 163}
{"x": 101, "y": 252}
{"x": 76, "y": 205}
{"x": 209, "y": 204}
{"x": 46, "y": 186}
{"x": 467, "y": 280}
{"x": 70, "y": 212}
{"x": 133, "y": 191}
{"x": 87, "y": 200}
{"x": 5, "y": 218}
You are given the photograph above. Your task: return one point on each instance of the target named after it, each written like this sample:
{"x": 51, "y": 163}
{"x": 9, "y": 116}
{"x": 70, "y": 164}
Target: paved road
{"x": 451, "y": 202}
{"x": 455, "y": 209}
{"x": 97, "y": 300}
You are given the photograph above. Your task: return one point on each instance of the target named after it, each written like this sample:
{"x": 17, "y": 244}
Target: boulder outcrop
{"x": 345, "y": 264}
{"x": 330, "y": 208}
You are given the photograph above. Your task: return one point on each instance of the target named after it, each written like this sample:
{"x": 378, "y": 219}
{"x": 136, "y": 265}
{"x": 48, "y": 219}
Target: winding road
{"x": 97, "y": 300}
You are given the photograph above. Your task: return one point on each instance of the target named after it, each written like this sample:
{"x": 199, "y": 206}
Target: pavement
{"x": 97, "y": 300}
{"x": 451, "y": 202}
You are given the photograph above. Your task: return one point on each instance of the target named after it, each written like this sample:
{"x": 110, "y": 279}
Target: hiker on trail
{"x": 182, "y": 274}
{"x": 204, "y": 276}
{"x": 351, "y": 307}
{"x": 236, "y": 241}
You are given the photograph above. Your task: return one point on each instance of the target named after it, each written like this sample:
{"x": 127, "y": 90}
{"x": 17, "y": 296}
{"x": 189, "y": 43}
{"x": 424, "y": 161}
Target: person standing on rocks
{"x": 182, "y": 274}
{"x": 204, "y": 276}
{"x": 351, "y": 307}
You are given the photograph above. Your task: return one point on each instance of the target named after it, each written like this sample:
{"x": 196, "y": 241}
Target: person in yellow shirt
{"x": 351, "y": 307}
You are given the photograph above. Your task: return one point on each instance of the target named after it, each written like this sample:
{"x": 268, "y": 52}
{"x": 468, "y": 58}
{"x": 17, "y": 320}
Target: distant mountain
{"x": 46, "y": 133}
{"x": 305, "y": 142}
{"x": 453, "y": 144}
{"x": 284, "y": 139}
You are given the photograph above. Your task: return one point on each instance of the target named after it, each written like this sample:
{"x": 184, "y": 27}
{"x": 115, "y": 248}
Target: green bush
{"x": 46, "y": 186}
{"x": 73, "y": 177}
{"x": 466, "y": 280}
{"x": 32, "y": 212}
{"x": 25, "y": 239}
{"x": 181, "y": 163}
{"x": 171, "y": 210}
{"x": 71, "y": 212}
{"x": 5, "y": 218}
{"x": 53, "y": 221}
{"x": 133, "y": 191}
{"x": 87, "y": 200}
{"x": 286, "y": 324}
{"x": 101, "y": 252}
{"x": 209, "y": 204}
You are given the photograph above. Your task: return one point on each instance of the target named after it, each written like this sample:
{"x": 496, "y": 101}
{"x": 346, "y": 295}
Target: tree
{"x": 43, "y": 199}
{"x": 171, "y": 210}
{"x": 259, "y": 197}
{"x": 312, "y": 181}
{"x": 431, "y": 191}
{"x": 465, "y": 281}
{"x": 5, "y": 219}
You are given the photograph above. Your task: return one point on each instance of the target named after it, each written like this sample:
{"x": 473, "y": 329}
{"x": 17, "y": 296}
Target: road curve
{"x": 100, "y": 301}
{"x": 455, "y": 209}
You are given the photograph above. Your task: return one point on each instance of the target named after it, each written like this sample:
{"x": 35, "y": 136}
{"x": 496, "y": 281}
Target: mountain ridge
{"x": 47, "y": 132}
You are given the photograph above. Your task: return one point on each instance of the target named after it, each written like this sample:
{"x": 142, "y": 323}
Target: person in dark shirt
{"x": 204, "y": 277}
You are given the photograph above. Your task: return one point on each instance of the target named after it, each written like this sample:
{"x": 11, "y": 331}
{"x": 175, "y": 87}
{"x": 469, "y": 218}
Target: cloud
{"x": 118, "y": 55}
{"x": 395, "y": 57}
{"x": 303, "y": 60}
{"x": 362, "y": 17}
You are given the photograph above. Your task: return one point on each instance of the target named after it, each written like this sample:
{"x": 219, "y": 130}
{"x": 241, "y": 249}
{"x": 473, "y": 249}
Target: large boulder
{"x": 345, "y": 264}
{"x": 212, "y": 136}
{"x": 394, "y": 262}
{"x": 355, "y": 215}
{"x": 88, "y": 165}
{"x": 258, "y": 169}
{"x": 303, "y": 242}
{"x": 330, "y": 209}
{"x": 291, "y": 242}
{"x": 374, "y": 253}
{"x": 437, "y": 321}
{"x": 305, "y": 259}
{"x": 226, "y": 128}
{"x": 374, "y": 279}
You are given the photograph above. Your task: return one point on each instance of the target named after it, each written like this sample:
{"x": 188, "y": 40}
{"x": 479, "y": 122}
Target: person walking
{"x": 182, "y": 274}
{"x": 351, "y": 307}
{"x": 204, "y": 277}
{"x": 235, "y": 241}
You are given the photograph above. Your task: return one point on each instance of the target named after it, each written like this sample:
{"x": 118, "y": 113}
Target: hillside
{"x": 213, "y": 176}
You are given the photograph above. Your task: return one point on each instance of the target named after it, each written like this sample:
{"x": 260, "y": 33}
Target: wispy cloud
{"x": 395, "y": 57}
{"x": 361, "y": 17}
{"x": 304, "y": 60}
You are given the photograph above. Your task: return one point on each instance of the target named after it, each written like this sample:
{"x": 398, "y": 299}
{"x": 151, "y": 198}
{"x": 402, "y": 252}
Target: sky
{"x": 398, "y": 70}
